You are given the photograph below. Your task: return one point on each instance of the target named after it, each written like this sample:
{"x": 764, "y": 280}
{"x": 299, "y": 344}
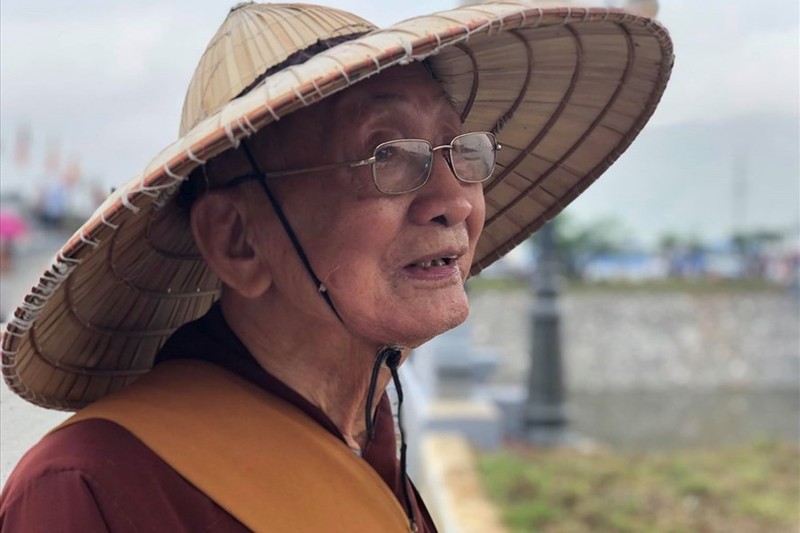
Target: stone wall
{"x": 644, "y": 340}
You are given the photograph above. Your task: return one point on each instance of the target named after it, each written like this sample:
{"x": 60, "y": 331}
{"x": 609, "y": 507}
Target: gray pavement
{"x": 21, "y": 423}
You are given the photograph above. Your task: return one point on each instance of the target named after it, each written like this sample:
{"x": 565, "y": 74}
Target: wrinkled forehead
{"x": 393, "y": 92}
{"x": 407, "y": 85}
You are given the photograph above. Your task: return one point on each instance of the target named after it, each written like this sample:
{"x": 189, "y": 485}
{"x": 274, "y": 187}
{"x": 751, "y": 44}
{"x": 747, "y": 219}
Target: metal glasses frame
{"x": 372, "y": 160}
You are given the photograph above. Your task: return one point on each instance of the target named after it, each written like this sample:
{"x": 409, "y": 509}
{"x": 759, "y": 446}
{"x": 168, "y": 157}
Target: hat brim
{"x": 565, "y": 90}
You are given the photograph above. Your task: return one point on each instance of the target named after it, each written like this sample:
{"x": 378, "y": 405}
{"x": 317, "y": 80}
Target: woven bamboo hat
{"x": 565, "y": 90}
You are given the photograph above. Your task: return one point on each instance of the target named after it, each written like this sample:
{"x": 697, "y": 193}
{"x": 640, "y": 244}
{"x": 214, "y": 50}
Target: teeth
{"x": 433, "y": 262}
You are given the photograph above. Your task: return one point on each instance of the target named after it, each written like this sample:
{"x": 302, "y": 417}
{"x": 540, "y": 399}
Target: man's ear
{"x": 219, "y": 222}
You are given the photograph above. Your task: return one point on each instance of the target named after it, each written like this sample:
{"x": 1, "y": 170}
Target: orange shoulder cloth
{"x": 259, "y": 458}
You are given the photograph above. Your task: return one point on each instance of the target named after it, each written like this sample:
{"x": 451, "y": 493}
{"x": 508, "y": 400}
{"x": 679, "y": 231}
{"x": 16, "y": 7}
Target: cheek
{"x": 355, "y": 247}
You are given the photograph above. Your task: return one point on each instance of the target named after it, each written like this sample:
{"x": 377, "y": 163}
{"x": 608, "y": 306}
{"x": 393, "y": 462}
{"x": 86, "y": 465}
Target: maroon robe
{"x": 96, "y": 476}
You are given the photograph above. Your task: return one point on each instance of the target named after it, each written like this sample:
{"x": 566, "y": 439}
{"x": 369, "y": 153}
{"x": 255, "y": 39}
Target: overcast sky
{"x": 106, "y": 79}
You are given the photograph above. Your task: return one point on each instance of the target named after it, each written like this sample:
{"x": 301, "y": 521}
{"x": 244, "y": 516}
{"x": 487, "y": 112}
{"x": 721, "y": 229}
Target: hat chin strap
{"x": 289, "y": 231}
{"x": 388, "y": 355}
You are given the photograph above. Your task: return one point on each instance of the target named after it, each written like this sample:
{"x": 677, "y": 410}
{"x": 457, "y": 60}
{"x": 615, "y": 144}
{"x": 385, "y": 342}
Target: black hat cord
{"x": 388, "y": 355}
{"x": 287, "y": 228}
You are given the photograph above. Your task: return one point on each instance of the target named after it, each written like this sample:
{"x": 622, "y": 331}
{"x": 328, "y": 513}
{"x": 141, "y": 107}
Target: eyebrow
{"x": 370, "y": 102}
{"x": 443, "y": 96}
{"x": 365, "y": 102}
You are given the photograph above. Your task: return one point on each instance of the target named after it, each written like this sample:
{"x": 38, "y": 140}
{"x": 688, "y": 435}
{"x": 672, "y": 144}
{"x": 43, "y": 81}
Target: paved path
{"x": 23, "y": 424}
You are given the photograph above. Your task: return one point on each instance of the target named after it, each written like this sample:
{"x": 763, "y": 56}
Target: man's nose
{"x": 444, "y": 199}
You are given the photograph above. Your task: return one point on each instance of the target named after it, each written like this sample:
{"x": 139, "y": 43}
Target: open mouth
{"x": 440, "y": 262}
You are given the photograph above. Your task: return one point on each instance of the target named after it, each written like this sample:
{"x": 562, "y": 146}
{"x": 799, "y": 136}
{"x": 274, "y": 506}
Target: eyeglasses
{"x": 404, "y": 165}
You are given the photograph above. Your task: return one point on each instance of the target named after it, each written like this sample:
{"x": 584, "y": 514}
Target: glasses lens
{"x": 473, "y": 156}
{"x": 402, "y": 165}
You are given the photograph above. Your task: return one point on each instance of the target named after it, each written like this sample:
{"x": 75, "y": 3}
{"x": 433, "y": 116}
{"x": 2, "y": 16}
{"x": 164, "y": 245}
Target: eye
{"x": 384, "y": 153}
{"x": 471, "y": 154}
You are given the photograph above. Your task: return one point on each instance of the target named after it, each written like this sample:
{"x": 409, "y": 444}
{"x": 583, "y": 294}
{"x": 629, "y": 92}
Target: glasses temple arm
{"x": 283, "y": 173}
{"x": 347, "y": 164}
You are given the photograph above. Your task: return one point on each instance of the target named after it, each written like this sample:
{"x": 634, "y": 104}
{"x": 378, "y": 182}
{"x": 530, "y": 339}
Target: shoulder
{"x": 61, "y": 480}
{"x": 97, "y": 449}
{"x": 96, "y": 475}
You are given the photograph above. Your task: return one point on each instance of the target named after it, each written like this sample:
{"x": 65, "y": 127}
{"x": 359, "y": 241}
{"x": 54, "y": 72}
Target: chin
{"x": 426, "y": 327}
{"x": 409, "y": 323}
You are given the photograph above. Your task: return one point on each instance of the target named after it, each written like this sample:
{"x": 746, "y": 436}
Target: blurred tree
{"x": 756, "y": 240}
{"x": 685, "y": 254}
{"x": 752, "y": 247}
{"x": 670, "y": 246}
{"x": 577, "y": 242}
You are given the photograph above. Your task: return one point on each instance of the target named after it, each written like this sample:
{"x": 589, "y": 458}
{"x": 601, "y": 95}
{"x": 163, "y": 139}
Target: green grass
{"x": 747, "y": 489}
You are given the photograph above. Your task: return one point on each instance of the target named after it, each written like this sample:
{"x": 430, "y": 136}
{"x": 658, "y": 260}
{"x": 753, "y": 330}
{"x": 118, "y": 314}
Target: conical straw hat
{"x": 565, "y": 90}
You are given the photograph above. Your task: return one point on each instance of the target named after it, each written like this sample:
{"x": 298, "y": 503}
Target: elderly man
{"x": 334, "y": 180}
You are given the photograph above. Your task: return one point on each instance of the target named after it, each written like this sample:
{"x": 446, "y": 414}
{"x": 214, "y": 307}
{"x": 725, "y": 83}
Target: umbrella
{"x": 12, "y": 226}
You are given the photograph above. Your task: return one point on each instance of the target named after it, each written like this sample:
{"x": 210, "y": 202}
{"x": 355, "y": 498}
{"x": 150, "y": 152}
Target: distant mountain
{"x": 704, "y": 179}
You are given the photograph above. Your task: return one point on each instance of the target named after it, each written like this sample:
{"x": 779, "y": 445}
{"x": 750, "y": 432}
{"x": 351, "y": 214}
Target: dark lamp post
{"x": 545, "y": 411}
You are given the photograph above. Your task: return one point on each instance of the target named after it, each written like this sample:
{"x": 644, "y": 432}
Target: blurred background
{"x": 656, "y": 319}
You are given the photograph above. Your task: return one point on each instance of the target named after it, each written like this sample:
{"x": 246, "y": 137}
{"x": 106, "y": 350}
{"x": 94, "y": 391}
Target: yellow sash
{"x": 259, "y": 458}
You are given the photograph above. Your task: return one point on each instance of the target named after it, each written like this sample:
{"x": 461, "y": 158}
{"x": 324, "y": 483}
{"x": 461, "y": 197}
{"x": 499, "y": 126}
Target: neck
{"x": 320, "y": 360}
